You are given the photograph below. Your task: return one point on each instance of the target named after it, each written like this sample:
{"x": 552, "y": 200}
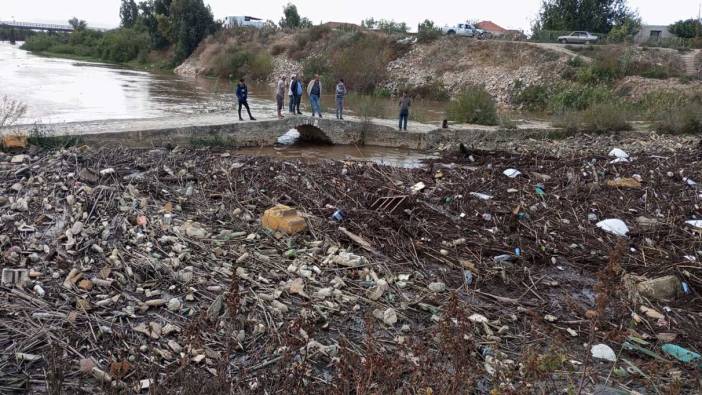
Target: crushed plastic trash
{"x": 418, "y": 187}
{"x": 512, "y": 173}
{"x": 339, "y": 215}
{"x": 695, "y": 223}
{"x": 539, "y": 190}
{"x": 618, "y": 153}
{"x": 604, "y": 352}
{"x": 481, "y": 196}
{"x": 614, "y": 226}
{"x": 289, "y": 138}
{"x": 468, "y": 277}
{"x": 681, "y": 354}
{"x": 685, "y": 288}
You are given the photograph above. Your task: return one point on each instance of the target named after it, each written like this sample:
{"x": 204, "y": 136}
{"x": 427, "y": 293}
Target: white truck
{"x": 231, "y": 22}
{"x": 465, "y": 30}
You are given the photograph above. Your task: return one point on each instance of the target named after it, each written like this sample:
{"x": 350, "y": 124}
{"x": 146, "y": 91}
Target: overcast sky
{"x": 517, "y": 14}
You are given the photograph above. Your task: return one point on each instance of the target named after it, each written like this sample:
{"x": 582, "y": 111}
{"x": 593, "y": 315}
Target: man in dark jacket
{"x": 242, "y": 95}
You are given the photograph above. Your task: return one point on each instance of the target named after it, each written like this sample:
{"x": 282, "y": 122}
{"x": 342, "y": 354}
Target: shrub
{"x": 41, "y": 42}
{"x": 577, "y": 97}
{"x": 316, "y": 65}
{"x": 362, "y": 64}
{"x": 598, "y": 118}
{"x": 255, "y": 65}
{"x": 11, "y": 111}
{"x": 532, "y": 97}
{"x": 606, "y": 117}
{"x": 473, "y": 105}
{"x": 428, "y": 32}
{"x": 674, "y": 113}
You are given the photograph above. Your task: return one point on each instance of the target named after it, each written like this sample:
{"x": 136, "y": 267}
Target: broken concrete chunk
{"x": 662, "y": 288}
{"x": 285, "y": 219}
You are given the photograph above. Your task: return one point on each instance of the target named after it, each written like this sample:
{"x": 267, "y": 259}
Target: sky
{"x": 513, "y": 14}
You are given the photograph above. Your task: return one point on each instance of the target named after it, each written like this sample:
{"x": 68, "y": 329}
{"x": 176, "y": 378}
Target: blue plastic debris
{"x": 681, "y": 354}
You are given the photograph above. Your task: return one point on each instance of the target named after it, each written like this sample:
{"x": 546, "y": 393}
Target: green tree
{"x": 190, "y": 21}
{"x": 128, "y": 13}
{"x": 598, "y": 16}
{"x": 686, "y": 28}
{"x": 427, "y": 31}
{"x": 291, "y": 18}
{"x": 77, "y": 24}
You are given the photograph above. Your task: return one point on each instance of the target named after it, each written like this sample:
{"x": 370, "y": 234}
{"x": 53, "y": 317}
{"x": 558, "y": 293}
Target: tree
{"x": 598, "y": 16}
{"x": 77, "y": 24}
{"x": 427, "y": 31}
{"x": 291, "y": 18}
{"x": 128, "y": 13}
{"x": 189, "y": 22}
{"x": 686, "y": 28}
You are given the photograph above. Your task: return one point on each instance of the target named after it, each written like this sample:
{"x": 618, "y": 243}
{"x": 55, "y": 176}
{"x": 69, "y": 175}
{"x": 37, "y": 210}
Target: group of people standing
{"x": 294, "y": 91}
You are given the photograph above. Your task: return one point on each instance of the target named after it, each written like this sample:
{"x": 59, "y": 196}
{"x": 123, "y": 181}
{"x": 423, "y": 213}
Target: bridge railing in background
{"x": 37, "y": 26}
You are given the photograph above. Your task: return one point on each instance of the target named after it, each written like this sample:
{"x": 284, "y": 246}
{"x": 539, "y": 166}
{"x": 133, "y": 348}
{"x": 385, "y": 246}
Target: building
{"x": 492, "y": 28}
{"x": 652, "y": 33}
{"x": 243, "y": 21}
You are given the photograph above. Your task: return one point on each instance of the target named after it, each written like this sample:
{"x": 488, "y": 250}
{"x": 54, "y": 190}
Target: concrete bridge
{"x": 48, "y": 27}
{"x": 225, "y": 128}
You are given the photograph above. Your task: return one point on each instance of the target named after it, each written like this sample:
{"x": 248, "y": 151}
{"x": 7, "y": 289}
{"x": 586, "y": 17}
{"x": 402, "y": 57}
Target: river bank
{"x": 150, "y": 269}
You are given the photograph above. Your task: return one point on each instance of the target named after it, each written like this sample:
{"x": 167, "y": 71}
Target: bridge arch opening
{"x": 305, "y": 135}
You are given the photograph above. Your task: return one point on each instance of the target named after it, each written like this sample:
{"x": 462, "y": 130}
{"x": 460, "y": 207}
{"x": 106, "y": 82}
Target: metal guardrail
{"x": 37, "y": 26}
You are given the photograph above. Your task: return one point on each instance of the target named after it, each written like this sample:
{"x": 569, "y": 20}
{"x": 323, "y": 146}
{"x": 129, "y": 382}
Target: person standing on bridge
{"x": 405, "y": 104}
{"x": 314, "y": 90}
{"x": 280, "y": 96}
{"x": 340, "y": 95}
{"x": 242, "y": 95}
{"x": 291, "y": 93}
{"x": 298, "y": 94}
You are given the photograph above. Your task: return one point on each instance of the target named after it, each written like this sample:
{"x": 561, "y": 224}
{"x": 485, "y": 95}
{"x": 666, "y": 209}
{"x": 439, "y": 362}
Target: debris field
{"x": 151, "y": 271}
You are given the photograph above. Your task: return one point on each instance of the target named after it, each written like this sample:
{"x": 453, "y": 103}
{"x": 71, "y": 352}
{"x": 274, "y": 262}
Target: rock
{"x": 285, "y": 219}
{"x": 85, "y": 285}
{"x": 21, "y": 204}
{"x": 77, "y": 228}
{"x": 378, "y": 290}
{"x": 173, "y": 345}
{"x": 604, "y": 352}
{"x": 14, "y": 141}
{"x": 86, "y": 365}
{"x": 390, "y": 317}
{"x": 19, "y": 159}
{"x": 194, "y": 229}
{"x": 662, "y": 288}
{"x": 88, "y": 176}
{"x": 349, "y": 260}
{"x": 478, "y": 318}
{"x": 280, "y": 307}
{"x": 437, "y": 287}
{"x": 174, "y": 304}
{"x": 550, "y": 318}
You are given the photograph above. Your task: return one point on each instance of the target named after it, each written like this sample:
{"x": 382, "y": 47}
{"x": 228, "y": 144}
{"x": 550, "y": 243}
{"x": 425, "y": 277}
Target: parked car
{"x": 465, "y": 30}
{"x": 578, "y": 38}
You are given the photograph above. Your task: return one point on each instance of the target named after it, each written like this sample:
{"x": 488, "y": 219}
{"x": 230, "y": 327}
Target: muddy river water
{"x": 62, "y": 90}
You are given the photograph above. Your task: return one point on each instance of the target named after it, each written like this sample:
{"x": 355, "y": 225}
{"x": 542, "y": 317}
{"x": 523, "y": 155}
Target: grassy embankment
{"x": 129, "y": 47}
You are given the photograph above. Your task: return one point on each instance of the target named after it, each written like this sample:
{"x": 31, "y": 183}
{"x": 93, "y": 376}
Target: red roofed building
{"x": 491, "y": 27}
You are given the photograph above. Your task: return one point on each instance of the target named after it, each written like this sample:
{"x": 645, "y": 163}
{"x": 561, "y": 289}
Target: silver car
{"x": 578, "y": 38}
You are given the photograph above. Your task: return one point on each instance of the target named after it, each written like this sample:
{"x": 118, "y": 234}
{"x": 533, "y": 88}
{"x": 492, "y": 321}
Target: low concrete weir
{"x": 225, "y": 127}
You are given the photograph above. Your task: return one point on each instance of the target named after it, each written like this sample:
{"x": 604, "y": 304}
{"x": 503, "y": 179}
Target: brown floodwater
{"x": 396, "y": 157}
{"x": 63, "y": 90}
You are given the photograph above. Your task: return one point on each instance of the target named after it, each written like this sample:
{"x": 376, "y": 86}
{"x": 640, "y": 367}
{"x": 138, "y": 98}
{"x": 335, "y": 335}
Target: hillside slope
{"x": 373, "y": 62}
